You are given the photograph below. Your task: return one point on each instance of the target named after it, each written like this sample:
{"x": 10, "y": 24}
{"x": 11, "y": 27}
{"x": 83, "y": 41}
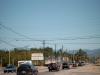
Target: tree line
{"x": 18, "y": 54}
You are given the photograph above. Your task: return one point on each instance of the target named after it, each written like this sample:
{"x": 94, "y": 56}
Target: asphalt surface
{"x": 84, "y": 70}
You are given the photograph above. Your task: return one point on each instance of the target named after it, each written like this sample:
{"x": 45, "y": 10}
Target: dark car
{"x": 65, "y": 65}
{"x": 81, "y": 63}
{"x": 54, "y": 66}
{"x": 9, "y": 68}
{"x": 27, "y": 69}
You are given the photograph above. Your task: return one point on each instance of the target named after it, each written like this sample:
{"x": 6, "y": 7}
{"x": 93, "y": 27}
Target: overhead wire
{"x": 31, "y": 39}
{"x": 63, "y": 39}
{"x": 10, "y": 29}
{"x": 12, "y": 45}
{"x": 71, "y": 43}
{"x": 77, "y": 38}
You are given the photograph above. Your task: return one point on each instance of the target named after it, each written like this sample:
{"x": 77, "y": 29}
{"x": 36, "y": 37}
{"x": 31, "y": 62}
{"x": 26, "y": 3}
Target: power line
{"x": 31, "y": 39}
{"x": 8, "y": 43}
{"x": 71, "y": 43}
{"x": 77, "y": 38}
{"x": 81, "y": 43}
{"x": 10, "y": 29}
{"x": 63, "y": 39}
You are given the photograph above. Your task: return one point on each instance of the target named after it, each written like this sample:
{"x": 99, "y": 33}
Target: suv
{"x": 65, "y": 65}
{"x": 27, "y": 69}
{"x": 9, "y": 68}
{"x": 54, "y": 66}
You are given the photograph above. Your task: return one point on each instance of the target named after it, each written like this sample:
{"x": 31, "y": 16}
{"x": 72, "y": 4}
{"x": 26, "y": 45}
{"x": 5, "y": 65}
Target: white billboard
{"x": 37, "y": 56}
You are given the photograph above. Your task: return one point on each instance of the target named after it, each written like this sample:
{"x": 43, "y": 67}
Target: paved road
{"x": 85, "y": 70}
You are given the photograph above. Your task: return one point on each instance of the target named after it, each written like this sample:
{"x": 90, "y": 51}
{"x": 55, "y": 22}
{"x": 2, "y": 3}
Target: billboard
{"x": 37, "y": 56}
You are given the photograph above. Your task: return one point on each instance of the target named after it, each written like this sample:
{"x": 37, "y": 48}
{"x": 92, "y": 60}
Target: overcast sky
{"x": 50, "y": 20}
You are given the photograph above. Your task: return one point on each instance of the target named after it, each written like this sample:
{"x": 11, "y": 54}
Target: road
{"x": 84, "y": 70}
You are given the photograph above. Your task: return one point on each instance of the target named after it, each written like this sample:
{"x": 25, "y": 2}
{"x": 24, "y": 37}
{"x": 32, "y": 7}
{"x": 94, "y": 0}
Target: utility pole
{"x": 44, "y": 50}
{"x": 25, "y": 55}
{"x": 9, "y": 57}
{"x": 62, "y": 53}
{"x": 1, "y": 61}
{"x": 73, "y": 56}
{"x": 43, "y": 44}
{"x": 13, "y": 61}
{"x": 55, "y": 51}
{"x": 62, "y": 50}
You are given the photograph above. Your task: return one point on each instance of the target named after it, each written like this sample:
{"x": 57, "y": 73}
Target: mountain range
{"x": 94, "y": 52}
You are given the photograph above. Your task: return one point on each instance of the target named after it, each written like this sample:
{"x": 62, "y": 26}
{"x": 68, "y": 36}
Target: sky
{"x": 60, "y": 21}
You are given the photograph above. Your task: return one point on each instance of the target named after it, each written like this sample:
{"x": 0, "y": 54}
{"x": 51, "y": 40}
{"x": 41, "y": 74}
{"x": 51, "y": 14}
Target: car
{"x": 75, "y": 64}
{"x": 65, "y": 65}
{"x": 53, "y": 66}
{"x": 81, "y": 63}
{"x": 27, "y": 69}
{"x": 9, "y": 68}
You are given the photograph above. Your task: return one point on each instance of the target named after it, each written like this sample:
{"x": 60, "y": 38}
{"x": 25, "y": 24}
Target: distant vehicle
{"x": 75, "y": 64}
{"x": 53, "y": 66}
{"x": 81, "y": 63}
{"x": 65, "y": 65}
{"x": 27, "y": 69}
{"x": 9, "y": 68}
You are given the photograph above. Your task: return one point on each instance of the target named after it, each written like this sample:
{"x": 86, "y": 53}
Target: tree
{"x": 81, "y": 55}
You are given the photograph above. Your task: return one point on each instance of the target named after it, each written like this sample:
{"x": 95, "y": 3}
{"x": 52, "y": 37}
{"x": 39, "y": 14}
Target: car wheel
{"x": 57, "y": 69}
{"x": 12, "y": 71}
{"x": 35, "y": 73}
{"x": 49, "y": 70}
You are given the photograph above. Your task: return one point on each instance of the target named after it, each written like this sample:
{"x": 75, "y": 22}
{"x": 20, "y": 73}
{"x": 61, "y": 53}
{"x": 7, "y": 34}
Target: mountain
{"x": 95, "y": 52}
